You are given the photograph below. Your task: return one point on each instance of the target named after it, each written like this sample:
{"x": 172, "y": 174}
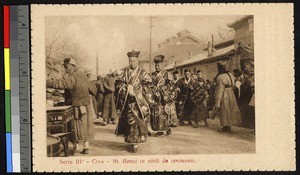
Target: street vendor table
{"x": 60, "y": 123}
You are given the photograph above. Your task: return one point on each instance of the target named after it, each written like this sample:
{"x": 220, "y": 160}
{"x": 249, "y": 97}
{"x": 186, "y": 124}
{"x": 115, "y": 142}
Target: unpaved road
{"x": 183, "y": 140}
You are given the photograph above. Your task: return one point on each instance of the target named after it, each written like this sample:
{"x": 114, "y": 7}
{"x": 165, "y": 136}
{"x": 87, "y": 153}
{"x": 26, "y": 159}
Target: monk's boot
{"x": 135, "y": 148}
{"x": 159, "y": 134}
{"x": 195, "y": 124}
{"x": 181, "y": 123}
{"x": 85, "y": 151}
{"x": 169, "y": 132}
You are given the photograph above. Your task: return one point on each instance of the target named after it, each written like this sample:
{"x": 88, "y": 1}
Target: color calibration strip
{"x": 6, "y": 20}
{"x": 14, "y": 89}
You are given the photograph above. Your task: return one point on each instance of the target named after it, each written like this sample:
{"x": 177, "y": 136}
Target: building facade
{"x": 237, "y": 50}
{"x": 176, "y": 48}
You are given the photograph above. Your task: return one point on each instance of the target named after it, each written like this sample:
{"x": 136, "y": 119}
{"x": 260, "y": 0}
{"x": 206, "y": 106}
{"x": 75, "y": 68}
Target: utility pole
{"x": 150, "y": 44}
{"x": 97, "y": 65}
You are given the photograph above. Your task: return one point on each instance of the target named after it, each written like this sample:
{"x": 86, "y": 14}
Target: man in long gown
{"x": 79, "y": 87}
{"x": 184, "y": 104}
{"x": 165, "y": 93}
{"x": 225, "y": 102}
{"x": 133, "y": 103}
{"x": 109, "y": 108}
{"x": 199, "y": 96}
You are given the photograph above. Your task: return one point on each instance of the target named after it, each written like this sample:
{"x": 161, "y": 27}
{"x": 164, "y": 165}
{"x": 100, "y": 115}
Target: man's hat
{"x": 186, "y": 70}
{"x": 199, "y": 71}
{"x": 133, "y": 53}
{"x": 159, "y": 59}
{"x": 175, "y": 72}
{"x": 70, "y": 61}
{"x": 88, "y": 72}
{"x": 222, "y": 63}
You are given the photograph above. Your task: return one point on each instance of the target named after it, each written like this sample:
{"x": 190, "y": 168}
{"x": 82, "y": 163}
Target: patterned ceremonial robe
{"x": 133, "y": 100}
{"x": 163, "y": 113}
{"x": 79, "y": 88}
{"x": 184, "y": 104}
{"x": 199, "y": 96}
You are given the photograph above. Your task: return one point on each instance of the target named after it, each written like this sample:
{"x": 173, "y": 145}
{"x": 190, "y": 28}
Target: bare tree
{"x": 57, "y": 42}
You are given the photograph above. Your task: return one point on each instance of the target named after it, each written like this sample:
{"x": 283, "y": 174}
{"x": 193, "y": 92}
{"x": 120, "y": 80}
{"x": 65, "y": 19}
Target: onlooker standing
{"x": 247, "y": 92}
{"x": 100, "y": 95}
{"x": 109, "y": 107}
{"x": 93, "y": 97}
{"x": 79, "y": 87}
{"x": 225, "y": 101}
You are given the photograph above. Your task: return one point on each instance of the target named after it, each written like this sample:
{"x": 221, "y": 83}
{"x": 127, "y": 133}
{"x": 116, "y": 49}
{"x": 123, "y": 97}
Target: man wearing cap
{"x": 225, "y": 102}
{"x": 79, "y": 87}
{"x": 165, "y": 92}
{"x": 100, "y": 95}
{"x": 133, "y": 100}
{"x": 109, "y": 107}
{"x": 247, "y": 92}
{"x": 199, "y": 95}
{"x": 184, "y": 105}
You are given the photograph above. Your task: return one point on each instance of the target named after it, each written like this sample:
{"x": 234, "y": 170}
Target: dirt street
{"x": 183, "y": 140}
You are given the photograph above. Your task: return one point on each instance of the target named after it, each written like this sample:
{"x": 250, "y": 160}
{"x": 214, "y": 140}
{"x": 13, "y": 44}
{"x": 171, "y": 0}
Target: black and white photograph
{"x": 162, "y": 87}
{"x": 150, "y": 85}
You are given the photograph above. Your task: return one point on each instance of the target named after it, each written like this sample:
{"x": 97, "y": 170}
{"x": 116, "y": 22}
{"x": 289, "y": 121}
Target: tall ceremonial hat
{"x": 159, "y": 59}
{"x": 70, "y": 61}
{"x": 133, "y": 53}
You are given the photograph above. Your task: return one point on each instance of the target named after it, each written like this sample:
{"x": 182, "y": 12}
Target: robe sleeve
{"x": 67, "y": 82}
{"x": 220, "y": 86}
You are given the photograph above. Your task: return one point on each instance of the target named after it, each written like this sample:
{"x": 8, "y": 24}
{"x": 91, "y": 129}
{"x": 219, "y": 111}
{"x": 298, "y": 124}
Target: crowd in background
{"x": 134, "y": 98}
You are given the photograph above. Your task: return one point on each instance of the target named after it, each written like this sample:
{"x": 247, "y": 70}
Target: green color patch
{"x": 7, "y": 112}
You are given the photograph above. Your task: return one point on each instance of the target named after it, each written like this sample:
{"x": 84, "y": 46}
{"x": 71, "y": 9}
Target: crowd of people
{"x": 136, "y": 100}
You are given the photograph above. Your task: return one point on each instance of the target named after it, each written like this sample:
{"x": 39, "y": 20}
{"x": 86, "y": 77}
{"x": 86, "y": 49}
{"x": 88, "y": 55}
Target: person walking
{"x": 133, "y": 103}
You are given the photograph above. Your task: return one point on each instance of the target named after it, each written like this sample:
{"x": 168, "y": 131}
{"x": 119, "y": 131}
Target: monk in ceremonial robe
{"x": 133, "y": 103}
{"x": 225, "y": 102}
{"x": 79, "y": 87}
{"x": 185, "y": 105}
{"x": 165, "y": 93}
{"x": 199, "y": 95}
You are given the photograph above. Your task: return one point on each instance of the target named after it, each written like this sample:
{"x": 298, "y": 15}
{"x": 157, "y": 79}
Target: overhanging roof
{"x": 203, "y": 57}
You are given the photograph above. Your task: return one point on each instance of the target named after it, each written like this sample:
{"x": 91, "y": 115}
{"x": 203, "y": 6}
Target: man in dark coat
{"x": 185, "y": 105}
{"x": 133, "y": 103}
{"x": 79, "y": 87}
{"x": 109, "y": 106}
{"x": 100, "y": 95}
{"x": 247, "y": 92}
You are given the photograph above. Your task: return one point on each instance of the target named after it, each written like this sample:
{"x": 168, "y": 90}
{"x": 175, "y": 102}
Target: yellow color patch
{"x": 7, "y": 68}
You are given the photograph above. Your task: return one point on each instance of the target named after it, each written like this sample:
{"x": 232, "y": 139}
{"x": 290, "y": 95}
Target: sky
{"x": 113, "y": 36}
